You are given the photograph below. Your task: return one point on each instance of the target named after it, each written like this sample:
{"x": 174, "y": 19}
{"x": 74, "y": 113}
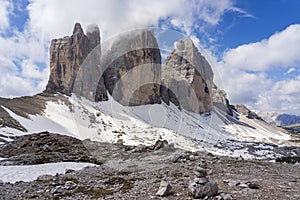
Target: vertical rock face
{"x": 66, "y": 56}
{"x": 133, "y": 68}
{"x": 188, "y": 77}
{"x": 129, "y": 68}
{"x": 220, "y": 100}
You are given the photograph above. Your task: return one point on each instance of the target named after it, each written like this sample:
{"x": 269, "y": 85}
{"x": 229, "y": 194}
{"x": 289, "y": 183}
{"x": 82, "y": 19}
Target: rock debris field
{"x": 159, "y": 171}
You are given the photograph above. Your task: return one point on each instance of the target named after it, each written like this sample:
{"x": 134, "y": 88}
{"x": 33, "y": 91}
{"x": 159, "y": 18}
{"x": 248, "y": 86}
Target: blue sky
{"x": 269, "y": 16}
{"x": 251, "y": 44}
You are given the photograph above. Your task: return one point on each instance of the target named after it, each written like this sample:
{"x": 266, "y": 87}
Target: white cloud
{"x": 291, "y": 70}
{"x": 56, "y": 18}
{"x": 25, "y": 71}
{"x": 6, "y": 8}
{"x": 281, "y": 50}
{"x": 244, "y": 72}
{"x": 283, "y": 96}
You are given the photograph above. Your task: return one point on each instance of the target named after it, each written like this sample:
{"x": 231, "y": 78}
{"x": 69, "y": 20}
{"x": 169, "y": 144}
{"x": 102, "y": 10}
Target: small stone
{"x": 200, "y": 172}
{"x": 67, "y": 171}
{"x": 253, "y": 185}
{"x": 226, "y": 196}
{"x": 47, "y": 148}
{"x": 40, "y": 191}
{"x": 200, "y": 191}
{"x": 160, "y": 144}
{"x": 203, "y": 164}
{"x": 192, "y": 158}
{"x": 243, "y": 185}
{"x": 201, "y": 180}
{"x": 164, "y": 189}
{"x": 70, "y": 185}
{"x": 176, "y": 158}
{"x": 56, "y": 190}
{"x": 231, "y": 182}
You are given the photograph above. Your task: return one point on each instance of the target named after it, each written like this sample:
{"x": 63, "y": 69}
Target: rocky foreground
{"x": 159, "y": 171}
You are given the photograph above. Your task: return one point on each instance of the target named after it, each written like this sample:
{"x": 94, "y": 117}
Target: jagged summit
{"x": 77, "y": 29}
{"x": 129, "y": 68}
{"x": 187, "y": 49}
{"x": 66, "y": 56}
{"x": 93, "y": 34}
{"x": 188, "y": 77}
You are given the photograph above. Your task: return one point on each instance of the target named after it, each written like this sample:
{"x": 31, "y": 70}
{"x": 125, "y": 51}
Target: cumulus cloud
{"x": 25, "y": 54}
{"x": 280, "y": 50}
{"x": 6, "y": 8}
{"x": 283, "y": 96}
{"x": 118, "y": 15}
{"x": 244, "y": 72}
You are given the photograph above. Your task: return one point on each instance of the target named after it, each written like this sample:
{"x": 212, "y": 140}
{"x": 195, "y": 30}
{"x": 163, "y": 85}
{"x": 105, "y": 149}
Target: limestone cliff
{"x": 129, "y": 68}
{"x": 66, "y": 57}
{"x": 132, "y": 63}
{"x": 188, "y": 77}
{"x": 219, "y": 99}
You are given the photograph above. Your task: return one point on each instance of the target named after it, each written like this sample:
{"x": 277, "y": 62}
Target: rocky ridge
{"x": 247, "y": 112}
{"x": 128, "y": 67}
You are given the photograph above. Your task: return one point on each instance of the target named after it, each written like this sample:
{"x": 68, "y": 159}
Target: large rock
{"x": 240, "y": 108}
{"x": 68, "y": 58}
{"x": 188, "y": 78}
{"x": 132, "y": 68}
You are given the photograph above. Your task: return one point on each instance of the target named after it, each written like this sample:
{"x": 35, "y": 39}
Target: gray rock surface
{"x": 246, "y": 111}
{"x": 219, "y": 98}
{"x": 67, "y": 54}
{"x": 164, "y": 189}
{"x": 132, "y": 63}
{"x": 201, "y": 186}
{"x": 42, "y": 148}
{"x": 188, "y": 78}
{"x": 137, "y": 175}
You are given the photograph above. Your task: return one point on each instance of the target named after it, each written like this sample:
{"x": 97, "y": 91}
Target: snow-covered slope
{"x": 111, "y": 122}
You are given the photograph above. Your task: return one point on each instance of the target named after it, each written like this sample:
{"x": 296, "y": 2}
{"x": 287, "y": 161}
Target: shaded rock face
{"x": 188, "y": 77}
{"x": 220, "y": 100}
{"x": 133, "y": 68}
{"x": 66, "y": 56}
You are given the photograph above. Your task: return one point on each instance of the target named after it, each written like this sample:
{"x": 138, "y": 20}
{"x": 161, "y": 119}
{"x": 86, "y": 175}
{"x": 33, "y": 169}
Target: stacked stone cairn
{"x": 200, "y": 186}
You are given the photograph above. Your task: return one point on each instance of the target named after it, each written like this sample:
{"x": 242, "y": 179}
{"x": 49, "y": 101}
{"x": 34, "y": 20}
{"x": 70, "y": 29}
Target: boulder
{"x": 164, "y": 189}
{"x": 203, "y": 190}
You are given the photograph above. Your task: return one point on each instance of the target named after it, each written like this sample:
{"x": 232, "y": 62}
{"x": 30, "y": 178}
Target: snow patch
{"x": 29, "y": 173}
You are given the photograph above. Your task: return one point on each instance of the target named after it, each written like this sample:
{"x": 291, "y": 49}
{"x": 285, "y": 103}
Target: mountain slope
{"x": 112, "y": 122}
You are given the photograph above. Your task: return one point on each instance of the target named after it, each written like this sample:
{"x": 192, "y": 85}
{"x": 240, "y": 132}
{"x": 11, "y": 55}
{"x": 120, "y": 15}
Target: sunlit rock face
{"x": 188, "y": 77}
{"x": 128, "y": 67}
{"x": 67, "y": 54}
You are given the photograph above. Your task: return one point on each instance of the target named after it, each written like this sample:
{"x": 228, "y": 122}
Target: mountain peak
{"x": 77, "y": 29}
